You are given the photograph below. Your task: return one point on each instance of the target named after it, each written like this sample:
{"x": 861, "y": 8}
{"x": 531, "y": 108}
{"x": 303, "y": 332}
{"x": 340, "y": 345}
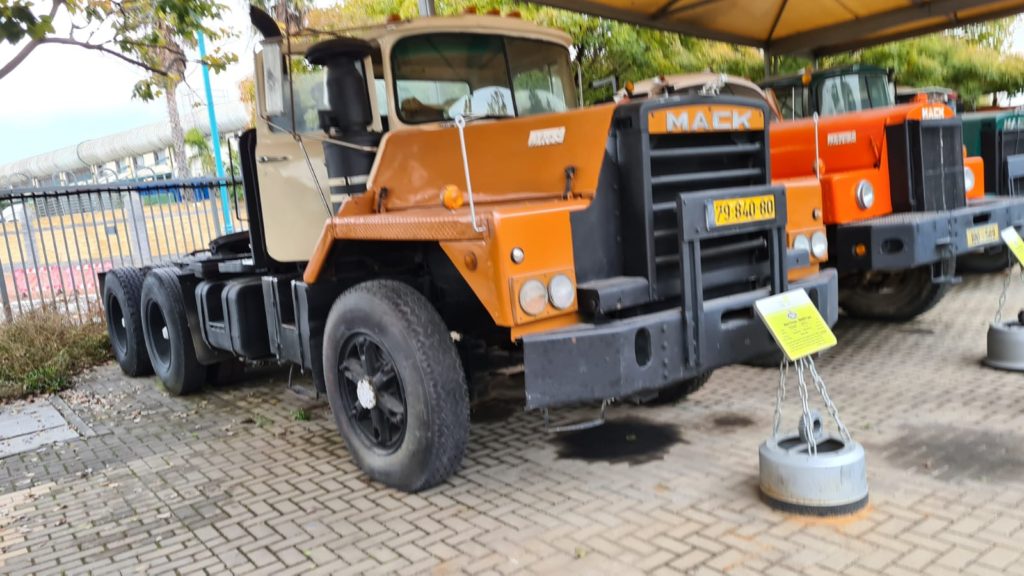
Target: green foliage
{"x": 150, "y": 34}
{"x": 17, "y": 21}
{"x": 41, "y": 350}
{"x": 300, "y": 415}
{"x": 201, "y": 149}
{"x": 947, "y": 60}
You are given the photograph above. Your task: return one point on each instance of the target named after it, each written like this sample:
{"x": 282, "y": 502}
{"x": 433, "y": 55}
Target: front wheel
{"x": 893, "y": 296}
{"x": 396, "y": 385}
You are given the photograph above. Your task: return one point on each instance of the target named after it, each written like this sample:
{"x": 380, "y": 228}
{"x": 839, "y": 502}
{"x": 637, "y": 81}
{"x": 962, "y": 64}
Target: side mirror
{"x": 273, "y": 79}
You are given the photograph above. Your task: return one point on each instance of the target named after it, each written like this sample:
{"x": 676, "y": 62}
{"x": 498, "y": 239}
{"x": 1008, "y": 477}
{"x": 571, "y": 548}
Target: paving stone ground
{"x": 231, "y": 481}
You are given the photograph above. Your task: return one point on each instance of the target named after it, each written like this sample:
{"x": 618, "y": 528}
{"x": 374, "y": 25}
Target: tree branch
{"x": 28, "y": 48}
{"x": 105, "y": 50}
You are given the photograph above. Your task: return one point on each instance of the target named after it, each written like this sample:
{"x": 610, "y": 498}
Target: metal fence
{"x": 54, "y": 240}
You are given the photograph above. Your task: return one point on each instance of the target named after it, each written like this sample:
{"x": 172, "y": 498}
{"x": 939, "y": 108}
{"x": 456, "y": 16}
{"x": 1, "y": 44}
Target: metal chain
{"x": 780, "y": 396}
{"x": 812, "y": 444}
{"x": 819, "y": 383}
{"x": 1006, "y": 288}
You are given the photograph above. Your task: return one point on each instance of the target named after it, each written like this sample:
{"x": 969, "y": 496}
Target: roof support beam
{"x": 875, "y": 40}
{"x": 632, "y": 17}
{"x": 822, "y": 39}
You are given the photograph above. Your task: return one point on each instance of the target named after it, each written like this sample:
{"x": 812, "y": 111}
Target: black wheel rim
{"x": 158, "y": 334}
{"x": 372, "y": 394}
{"x": 118, "y": 326}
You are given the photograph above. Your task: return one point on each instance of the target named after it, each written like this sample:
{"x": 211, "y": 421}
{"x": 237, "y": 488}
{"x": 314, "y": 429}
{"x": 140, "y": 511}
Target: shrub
{"x": 41, "y": 350}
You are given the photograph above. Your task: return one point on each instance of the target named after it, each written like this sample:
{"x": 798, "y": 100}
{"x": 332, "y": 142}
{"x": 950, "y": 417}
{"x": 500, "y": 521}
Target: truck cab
{"x": 422, "y": 190}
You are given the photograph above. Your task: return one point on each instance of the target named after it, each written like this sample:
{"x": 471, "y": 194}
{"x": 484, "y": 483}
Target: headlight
{"x": 561, "y": 292}
{"x": 865, "y": 195}
{"x": 819, "y": 245}
{"x": 802, "y": 242}
{"x": 968, "y": 178}
{"x": 533, "y": 297}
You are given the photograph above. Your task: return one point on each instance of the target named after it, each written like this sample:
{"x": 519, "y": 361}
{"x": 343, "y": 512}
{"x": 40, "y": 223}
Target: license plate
{"x": 981, "y": 235}
{"x": 734, "y": 211}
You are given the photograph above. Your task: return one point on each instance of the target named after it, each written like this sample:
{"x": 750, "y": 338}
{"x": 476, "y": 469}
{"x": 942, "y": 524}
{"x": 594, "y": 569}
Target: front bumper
{"x": 645, "y": 353}
{"x": 912, "y": 239}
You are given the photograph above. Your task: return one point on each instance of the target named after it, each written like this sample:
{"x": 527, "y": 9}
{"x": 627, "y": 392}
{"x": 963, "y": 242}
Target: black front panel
{"x": 926, "y": 165}
{"x": 655, "y": 169}
{"x": 689, "y": 163}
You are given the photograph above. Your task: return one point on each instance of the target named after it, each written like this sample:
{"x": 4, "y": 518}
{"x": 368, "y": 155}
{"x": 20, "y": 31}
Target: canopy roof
{"x": 806, "y": 27}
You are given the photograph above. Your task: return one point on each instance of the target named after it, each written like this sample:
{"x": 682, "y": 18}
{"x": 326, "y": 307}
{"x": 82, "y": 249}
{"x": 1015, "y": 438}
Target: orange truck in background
{"x": 901, "y": 199}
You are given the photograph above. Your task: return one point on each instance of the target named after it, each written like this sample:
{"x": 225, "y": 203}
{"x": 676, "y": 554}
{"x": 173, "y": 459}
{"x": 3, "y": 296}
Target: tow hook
{"x": 944, "y": 271}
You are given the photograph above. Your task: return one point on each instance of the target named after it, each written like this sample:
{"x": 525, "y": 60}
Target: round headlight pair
{"x": 816, "y": 245}
{"x": 865, "y": 194}
{"x": 534, "y": 296}
{"x": 969, "y": 180}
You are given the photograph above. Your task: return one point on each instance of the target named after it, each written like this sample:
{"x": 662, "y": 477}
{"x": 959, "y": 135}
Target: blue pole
{"x": 215, "y": 136}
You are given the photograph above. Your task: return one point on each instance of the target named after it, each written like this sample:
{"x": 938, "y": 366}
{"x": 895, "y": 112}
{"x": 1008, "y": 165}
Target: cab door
{"x": 294, "y": 191}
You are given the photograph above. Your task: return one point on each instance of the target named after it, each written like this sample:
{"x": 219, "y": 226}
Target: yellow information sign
{"x": 742, "y": 210}
{"x": 1015, "y": 242}
{"x": 795, "y": 323}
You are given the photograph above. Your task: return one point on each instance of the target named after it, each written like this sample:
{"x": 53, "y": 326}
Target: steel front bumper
{"x": 645, "y": 353}
{"x": 912, "y": 239}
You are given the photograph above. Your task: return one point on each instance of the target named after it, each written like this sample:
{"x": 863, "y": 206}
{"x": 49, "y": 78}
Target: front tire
{"x": 396, "y": 385}
{"x": 893, "y": 296}
{"x": 122, "y": 296}
{"x": 168, "y": 338}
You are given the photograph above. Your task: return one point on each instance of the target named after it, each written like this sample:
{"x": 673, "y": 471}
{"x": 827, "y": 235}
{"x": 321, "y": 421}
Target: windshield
{"x": 853, "y": 92}
{"x": 440, "y": 76}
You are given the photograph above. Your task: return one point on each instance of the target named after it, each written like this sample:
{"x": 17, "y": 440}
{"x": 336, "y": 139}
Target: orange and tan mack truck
{"x": 901, "y": 198}
{"x": 422, "y": 189}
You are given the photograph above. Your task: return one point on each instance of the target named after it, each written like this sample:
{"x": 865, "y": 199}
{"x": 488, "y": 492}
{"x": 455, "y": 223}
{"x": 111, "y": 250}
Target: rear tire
{"x": 396, "y": 385}
{"x": 892, "y": 296}
{"x": 168, "y": 338}
{"x": 678, "y": 391}
{"x": 122, "y": 297}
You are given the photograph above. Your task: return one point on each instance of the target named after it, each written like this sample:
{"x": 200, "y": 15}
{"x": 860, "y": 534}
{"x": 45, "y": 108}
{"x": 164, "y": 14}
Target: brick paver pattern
{"x": 231, "y": 480}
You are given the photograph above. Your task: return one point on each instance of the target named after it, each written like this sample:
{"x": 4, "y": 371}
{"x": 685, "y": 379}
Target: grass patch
{"x": 41, "y": 350}
{"x": 300, "y": 415}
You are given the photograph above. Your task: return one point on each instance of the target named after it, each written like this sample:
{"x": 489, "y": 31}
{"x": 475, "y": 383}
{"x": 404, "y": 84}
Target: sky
{"x": 61, "y": 95}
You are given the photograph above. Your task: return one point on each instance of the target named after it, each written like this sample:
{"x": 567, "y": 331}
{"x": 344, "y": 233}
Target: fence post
{"x": 135, "y": 219}
{"x": 28, "y": 237}
{"x": 8, "y": 313}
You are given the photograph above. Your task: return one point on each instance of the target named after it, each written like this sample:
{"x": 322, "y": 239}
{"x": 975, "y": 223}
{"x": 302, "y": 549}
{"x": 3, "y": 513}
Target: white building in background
{"x": 138, "y": 153}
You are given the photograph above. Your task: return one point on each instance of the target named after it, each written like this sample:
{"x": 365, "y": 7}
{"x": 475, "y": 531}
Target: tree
{"x": 201, "y": 150}
{"x": 150, "y": 34}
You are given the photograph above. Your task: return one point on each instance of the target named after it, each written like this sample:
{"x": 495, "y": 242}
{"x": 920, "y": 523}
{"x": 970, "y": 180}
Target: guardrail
{"x": 54, "y": 240}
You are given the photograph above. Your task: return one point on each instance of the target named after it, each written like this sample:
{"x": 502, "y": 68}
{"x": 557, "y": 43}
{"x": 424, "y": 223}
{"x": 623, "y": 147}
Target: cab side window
{"x": 306, "y": 97}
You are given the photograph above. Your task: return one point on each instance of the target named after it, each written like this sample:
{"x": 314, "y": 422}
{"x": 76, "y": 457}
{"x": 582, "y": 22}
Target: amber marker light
{"x": 451, "y": 197}
{"x": 860, "y": 250}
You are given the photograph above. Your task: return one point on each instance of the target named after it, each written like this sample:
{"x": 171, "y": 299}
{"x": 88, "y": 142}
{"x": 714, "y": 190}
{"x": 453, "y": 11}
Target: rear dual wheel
{"x": 396, "y": 385}
{"x": 167, "y": 335}
{"x": 122, "y": 295}
{"x": 894, "y": 296}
